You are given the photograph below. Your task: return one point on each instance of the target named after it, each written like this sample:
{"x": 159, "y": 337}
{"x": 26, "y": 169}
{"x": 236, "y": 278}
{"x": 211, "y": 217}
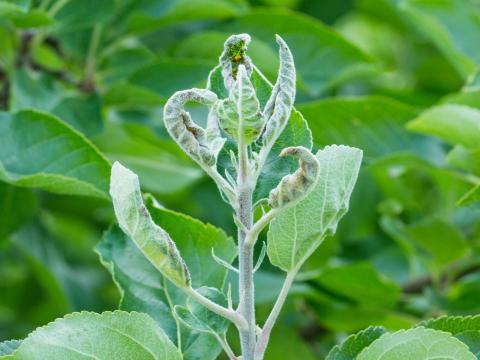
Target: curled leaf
{"x": 201, "y": 145}
{"x": 279, "y": 105}
{"x": 294, "y": 187}
{"x": 135, "y": 220}
{"x": 239, "y": 114}
{"x": 234, "y": 55}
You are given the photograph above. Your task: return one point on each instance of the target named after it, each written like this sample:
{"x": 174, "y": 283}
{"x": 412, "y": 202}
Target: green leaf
{"x": 9, "y": 346}
{"x": 110, "y": 335}
{"x": 38, "y": 150}
{"x": 464, "y": 328}
{"x": 199, "y": 318}
{"x": 354, "y": 344}
{"x": 443, "y": 242}
{"x": 135, "y": 220}
{"x": 297, "y": 232}
{"x": 455, "y": 124}
{"x": 143, "y": 290}
{"x": 17, "y": 206}
{"x": 361, "y": 283}
{"x": 30, "y": 90}
{"x": 416, "y": 344}
{"x": 286, "y": 344}
{"x": 152, "y": 158}
{"x": 124, "y": 95}
{"x": 22, "y": 17}
{"x": 150, "y": 16}
{"x": 164, "y": 77}
{"x": 80, "y": 14}
{"x": 67, "y": 286}
{"x": 323, "y": 58}
{"x": 452, "y": 26}
{"x": 372, "y": 123}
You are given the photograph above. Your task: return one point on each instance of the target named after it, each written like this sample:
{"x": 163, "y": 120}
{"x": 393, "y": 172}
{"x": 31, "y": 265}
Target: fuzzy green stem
{"x": 272, "y": 318}
{"x": 229, "y": 314}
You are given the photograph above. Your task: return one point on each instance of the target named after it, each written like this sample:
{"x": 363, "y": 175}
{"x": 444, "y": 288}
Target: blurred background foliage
{"x": 398, "y": 78}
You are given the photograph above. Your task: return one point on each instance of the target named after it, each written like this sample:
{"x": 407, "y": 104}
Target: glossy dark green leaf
{"x": 373, "y": 124}
{"x": 149, "y": 15}
{"x": 30, "y": 90}
{"x": 361, "y": 283}
{"x": 40, "y": 151}
{"x": 167, "y": 76}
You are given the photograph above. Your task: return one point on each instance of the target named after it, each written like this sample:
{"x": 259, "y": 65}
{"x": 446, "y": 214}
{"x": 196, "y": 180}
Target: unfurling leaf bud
{"x": 294, "y": 187}
{"x": 193, "y": 139}
{"x": 239, "y": 114}
{"x": 135, "y": 220}
{"x": 279, "y": 105}
{"x": 234, "y": 55}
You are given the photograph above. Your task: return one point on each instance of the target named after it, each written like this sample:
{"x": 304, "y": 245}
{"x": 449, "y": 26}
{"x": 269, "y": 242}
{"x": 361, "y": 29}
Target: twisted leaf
{"x": 201, "y": 145}
{"x": 280, "y": 104}
{"x": 294, "y": 187}
{"x": 135, "y": 220}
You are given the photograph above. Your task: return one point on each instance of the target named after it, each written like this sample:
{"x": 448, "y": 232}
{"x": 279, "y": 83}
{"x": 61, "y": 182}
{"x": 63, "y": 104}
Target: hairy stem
{"x": 246, "y": 306}
{"x": 272, "y": 318}
{"x": 229, "y": 314}
{"x": 256, "y": 229}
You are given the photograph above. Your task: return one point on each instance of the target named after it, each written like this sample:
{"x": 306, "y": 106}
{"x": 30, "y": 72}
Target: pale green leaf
{"x": 135, "y": 220}
{"x": 241, "y": 109}
{"x": 111, "y": 335}
{"x": 297, "y": 232}
{"x": 455, "y": 124}
{"x": 416, "y": 344}
{"x": 38, "y": 150}
{"x": 9, "y": 346}
{"x": 464, "y": 328}
{"x": 354, "y": 344}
